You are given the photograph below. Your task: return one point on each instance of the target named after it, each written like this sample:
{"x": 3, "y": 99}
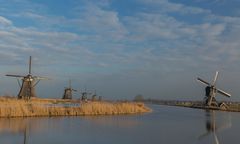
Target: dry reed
{"x": 12, "y": 107}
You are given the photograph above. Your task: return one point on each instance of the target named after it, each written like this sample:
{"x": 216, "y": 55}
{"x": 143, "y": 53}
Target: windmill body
{"x": 94, "y": 96}
{"x": 68, "y": 92}
{"x": 210, "y": 95}
{"x": 27, "y": 87}
{"x": 211, "y": 90}
{"x": 85, "y": 95}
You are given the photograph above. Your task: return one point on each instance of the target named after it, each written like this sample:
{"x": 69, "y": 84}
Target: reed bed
{"x": 12, "y": 107}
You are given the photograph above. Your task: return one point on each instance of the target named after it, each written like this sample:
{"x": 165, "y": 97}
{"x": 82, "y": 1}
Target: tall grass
{"x": 12, "y": 107}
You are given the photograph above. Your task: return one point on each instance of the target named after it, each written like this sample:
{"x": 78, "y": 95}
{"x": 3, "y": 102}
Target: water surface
{"x": 165, "y": 125}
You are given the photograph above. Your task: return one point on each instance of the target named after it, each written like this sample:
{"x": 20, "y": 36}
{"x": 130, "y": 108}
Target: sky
{"x": 156, "y": 48}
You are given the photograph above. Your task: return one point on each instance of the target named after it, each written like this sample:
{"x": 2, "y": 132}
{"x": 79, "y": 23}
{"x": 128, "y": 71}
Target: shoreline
{"x": 228, "y": 106}
{"x": 38, "y": 107}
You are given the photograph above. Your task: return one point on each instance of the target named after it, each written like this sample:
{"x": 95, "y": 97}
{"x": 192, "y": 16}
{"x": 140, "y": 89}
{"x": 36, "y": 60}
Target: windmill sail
{"x": 202, "y": 81}
{"x": 215, "y": 78}
{"x": 30, "y": 65}
{"x": 223, "y": 93}
{"x": 18, "y": 76}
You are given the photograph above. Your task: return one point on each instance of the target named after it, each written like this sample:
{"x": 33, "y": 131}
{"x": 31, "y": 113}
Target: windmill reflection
{"x": 16, "y": 126}
{"x": 27, "y": 127}
{"x": 216, "y": 124}
{"x": 26, "y": 134}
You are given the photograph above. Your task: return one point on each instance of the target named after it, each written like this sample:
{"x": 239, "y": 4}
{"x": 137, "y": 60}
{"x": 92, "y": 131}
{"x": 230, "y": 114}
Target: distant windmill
{"x": 85, "y": 94}
{"x": 94, "y": 96}
{"x": 27, "y": 87}
{"x": 211, "y": 91}
{"x": 68, "y": 91}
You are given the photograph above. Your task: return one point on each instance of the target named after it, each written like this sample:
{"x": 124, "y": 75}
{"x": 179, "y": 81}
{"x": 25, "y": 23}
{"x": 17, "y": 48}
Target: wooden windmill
{"x": 94, "y": 96}
{"x": 211, "y": 91}
{"x": 27, "y": 87}
{"x": 85, "y": 94}
{"x": 68, "y": 91}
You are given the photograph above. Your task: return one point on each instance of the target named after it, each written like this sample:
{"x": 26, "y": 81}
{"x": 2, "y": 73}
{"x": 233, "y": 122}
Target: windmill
{"x": 27, "y": 87}
{"x": 211, "y": 91}
{"x": 68, "y": 91}
{"x": 85, "y": 94}
{"x": 94, "y": 96}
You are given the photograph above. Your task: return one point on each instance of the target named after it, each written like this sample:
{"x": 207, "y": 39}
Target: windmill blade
{"x": 40, "y": 78}
{"x": 74, "y": 90}
{"x": 215, "y": 78}
{"x": 18, "y": 76}
{"x": 223, "y": 93}
{"x": 19, "y": 83}
{"x": 89, "y": 93}
{"x": 202, "y": 81}
{"x": 30, "y": 65}
{"x": 36, "y": 83}
{"x": 70, "y": 83}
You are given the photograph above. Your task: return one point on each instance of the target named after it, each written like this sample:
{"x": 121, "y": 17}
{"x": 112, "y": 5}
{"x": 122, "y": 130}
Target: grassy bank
{"x": 228, "y": 106}
{"x": 12, "y": 107}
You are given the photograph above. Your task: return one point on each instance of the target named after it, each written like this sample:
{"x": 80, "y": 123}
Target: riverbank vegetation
{"x": 13, "y": 107}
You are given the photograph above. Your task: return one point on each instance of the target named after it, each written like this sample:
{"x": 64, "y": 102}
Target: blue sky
{"x": 156, "y": 48}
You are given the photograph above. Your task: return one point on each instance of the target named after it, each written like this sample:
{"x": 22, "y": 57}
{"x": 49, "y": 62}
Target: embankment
{"x": 223, "y": 105}
{"x": 12, "y": 107}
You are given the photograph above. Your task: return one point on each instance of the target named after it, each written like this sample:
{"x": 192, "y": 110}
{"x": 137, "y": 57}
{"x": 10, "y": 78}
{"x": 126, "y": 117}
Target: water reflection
{"x": 15, "y": 126}
{"x": 25, "y": 135}
{"x": 32, "y": 130}
{"x": 164, "y": 125}
{"x": 22, "y": 129}
{"x": 113, "y": 121}
{"x": 216, "y": 123}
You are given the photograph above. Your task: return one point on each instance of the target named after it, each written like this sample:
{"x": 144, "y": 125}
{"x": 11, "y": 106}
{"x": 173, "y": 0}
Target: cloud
{"x": 165, "y": 6}
{"x": 31, "y": 15}
{"x": 4, "y": 22}
{"x": 100, "y": 34}
{"x": 100, "y": 22}
{"x": 159, "y": 42}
